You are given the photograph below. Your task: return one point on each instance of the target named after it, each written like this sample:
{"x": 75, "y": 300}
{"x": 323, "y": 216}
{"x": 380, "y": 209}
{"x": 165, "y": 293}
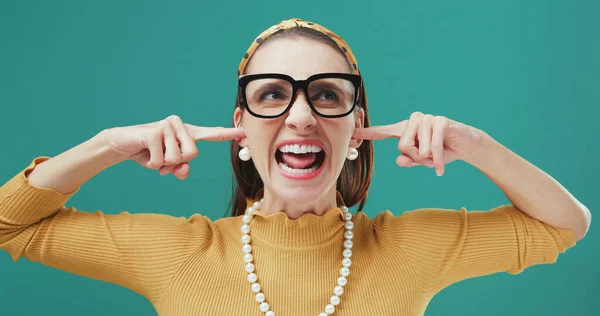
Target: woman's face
{"x": 309, "y": 180}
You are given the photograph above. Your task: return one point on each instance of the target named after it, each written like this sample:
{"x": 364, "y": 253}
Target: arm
{"x": 141, "y": 252}
{"x": 68, "y": 171}
{"x": 530, "y": 189}
{"x": 446, "y": 246}
{"x": 442, "y": 140}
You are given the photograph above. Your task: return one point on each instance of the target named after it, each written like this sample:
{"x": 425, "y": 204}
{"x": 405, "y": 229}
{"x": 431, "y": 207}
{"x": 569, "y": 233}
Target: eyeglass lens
{"x": 271, "y": 96}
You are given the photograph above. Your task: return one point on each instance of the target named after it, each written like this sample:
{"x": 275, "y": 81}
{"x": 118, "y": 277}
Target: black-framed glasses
{"x": 271, "y": 95}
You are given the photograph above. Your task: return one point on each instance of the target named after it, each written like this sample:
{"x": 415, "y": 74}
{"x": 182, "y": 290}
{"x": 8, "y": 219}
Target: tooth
{"x": 300, "y": 149}
{"x": 289, "y": 169}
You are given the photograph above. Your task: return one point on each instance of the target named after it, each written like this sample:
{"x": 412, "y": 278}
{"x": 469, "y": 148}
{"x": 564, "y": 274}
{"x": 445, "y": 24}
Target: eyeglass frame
{"x": 299, "y": 85}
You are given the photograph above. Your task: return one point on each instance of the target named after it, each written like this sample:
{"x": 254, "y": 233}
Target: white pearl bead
{"x": 348, "y": 244}
{"x": 250, "y": 210}
{"x": 349, "y": 225}
{"x": 256, "y": 205}
{"x": 249, "y": 267}
{"x": 270, "y": 313}
{"x": 329, "y": 309}
{"x": 244, "y": 154}
{"x": 334, "y": 300}
{"x": 248, "y": 258}
{"x": 255, "y": 287}
{"x": 245, "y": 228}
{"x": 246, "y": 248}
{"x": 338, "y": 290}
{"x": 348, "y": 234}
{"x": 344, "y": 208}
{"x": 252, "y": 277}
{"x": 245, "y": 238}
{"x": 246, "y": 218}
{"x": 342, "y": 281}
{"x": 344, "y": 271}
{"x": 264, "y": 307}
{"x": 352, "y": 153}
{"x": 346, "y": 262}
{"x": 348, "y": 216}
{"x": 347, "y": 253}
{"x": 260, "y": 297}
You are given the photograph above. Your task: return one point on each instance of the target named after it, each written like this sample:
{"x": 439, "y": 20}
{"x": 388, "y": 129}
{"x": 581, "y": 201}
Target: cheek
{"x": 260, "y": 136}
{"x": 339, "y": 134}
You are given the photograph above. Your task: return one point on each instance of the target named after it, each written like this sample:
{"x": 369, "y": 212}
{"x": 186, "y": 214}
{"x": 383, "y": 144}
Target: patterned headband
{"x": 295, "y": 22}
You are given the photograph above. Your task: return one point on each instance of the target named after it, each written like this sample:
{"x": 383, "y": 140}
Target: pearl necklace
{"x": 252, "y": 278}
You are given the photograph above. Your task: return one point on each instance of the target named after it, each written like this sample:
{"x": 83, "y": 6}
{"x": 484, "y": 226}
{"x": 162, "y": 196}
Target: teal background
{"x": 526, "y": 72}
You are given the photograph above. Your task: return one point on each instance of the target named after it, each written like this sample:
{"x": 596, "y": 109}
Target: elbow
{"x": 583, "y": 225}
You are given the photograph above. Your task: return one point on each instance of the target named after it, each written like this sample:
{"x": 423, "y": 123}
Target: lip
{"x": 306, "y": 176}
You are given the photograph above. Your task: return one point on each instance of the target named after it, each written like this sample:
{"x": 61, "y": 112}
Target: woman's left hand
{"x": 428, "y": 140}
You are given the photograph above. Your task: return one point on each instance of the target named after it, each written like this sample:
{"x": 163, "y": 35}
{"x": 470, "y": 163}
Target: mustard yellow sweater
{"x": 195, "y": 266}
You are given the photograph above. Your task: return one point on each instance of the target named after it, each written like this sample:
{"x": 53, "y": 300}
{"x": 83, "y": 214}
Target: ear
{"x": 359, "y": 122}
{"x": 237, "y": 121}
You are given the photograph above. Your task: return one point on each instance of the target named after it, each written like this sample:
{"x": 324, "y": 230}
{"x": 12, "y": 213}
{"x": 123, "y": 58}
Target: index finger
{"x": 215, "y": 133}
{"x": 380, "y": 132}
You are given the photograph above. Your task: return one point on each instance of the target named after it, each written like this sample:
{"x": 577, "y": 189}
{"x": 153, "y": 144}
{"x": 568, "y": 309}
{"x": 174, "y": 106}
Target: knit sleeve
{"x": 447, "y": 246}
{"x": 141, "y": 252}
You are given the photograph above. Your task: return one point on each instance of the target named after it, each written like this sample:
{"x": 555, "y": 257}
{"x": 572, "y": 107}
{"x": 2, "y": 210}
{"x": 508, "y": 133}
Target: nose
{"x": 300, "y": 117}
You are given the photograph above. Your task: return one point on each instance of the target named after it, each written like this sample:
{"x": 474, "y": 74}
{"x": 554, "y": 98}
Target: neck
{"x": 318, "y": 205}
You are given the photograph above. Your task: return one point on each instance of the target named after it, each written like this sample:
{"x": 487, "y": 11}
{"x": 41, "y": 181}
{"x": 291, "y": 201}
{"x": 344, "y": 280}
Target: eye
{"x": 272, "y": 95}
{"x": 326, "y": 95}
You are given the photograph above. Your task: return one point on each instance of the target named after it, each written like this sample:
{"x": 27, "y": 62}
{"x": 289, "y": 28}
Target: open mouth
{"x": 300, "y": 159}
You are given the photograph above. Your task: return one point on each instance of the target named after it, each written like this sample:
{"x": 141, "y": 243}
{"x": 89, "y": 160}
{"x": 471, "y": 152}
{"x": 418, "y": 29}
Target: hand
{"x": 167, "y": 145}
{"x": 433, "y": 141}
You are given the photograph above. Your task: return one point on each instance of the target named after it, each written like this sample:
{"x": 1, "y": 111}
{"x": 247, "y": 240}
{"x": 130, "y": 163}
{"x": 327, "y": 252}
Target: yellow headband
{"x": 295, "y": 22}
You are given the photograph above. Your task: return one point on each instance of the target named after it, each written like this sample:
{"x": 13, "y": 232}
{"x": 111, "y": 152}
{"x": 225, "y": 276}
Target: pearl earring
{"x": 352, "y": 153}
{"x": 244, "y": 154}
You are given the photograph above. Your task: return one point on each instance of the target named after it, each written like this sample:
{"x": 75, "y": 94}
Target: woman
{"x": 301, "y": 154}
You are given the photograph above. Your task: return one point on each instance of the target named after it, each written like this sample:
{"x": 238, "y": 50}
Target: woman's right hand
{"x": 167, "y": 145}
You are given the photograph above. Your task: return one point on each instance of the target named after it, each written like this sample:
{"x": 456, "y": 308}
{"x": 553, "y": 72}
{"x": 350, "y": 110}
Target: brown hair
{"x": 355, "y": 177}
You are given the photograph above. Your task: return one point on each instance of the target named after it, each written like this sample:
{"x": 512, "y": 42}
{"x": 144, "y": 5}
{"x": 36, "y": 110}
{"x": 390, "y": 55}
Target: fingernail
{"x": 163, "y": 172}
{"x": 429, "y": 164}
{"x": 438, "y": 171}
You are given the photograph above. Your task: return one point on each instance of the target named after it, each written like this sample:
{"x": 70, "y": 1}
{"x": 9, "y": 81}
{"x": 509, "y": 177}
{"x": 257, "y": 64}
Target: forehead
{"x": 299, "y": 58}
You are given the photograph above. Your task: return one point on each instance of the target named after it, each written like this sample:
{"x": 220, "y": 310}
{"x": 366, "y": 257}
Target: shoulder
{"x": 428, "y": 223}
{"x": 418, "y": 217}
{"x": 445, "y": 216}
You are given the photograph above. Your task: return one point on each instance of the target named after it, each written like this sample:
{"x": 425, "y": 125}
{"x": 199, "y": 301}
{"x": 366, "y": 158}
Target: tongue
{"x": 298, "y": 161}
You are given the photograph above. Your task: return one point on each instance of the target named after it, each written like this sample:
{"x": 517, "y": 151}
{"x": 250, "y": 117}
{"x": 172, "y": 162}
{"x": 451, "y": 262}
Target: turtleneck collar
{"x": 308, "y": 230}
